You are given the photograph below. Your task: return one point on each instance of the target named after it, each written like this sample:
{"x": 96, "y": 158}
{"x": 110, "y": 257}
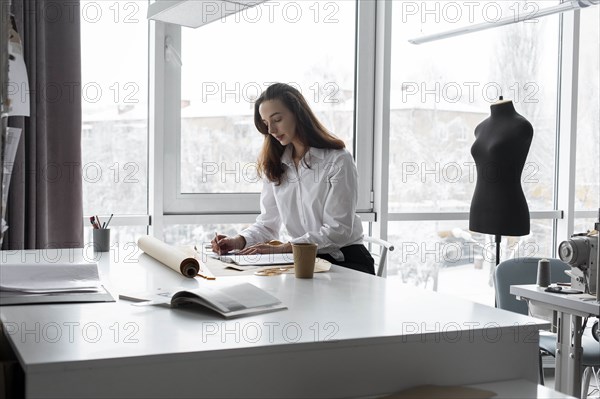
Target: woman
{"x": 310, "y": 186}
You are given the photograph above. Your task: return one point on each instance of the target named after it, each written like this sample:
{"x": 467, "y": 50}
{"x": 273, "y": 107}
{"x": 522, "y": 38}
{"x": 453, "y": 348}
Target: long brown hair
{"x": 309, "y": 129}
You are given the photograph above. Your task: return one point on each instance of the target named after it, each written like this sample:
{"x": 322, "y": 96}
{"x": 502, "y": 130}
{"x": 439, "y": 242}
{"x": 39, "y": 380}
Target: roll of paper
{"x": 169, "y": 256}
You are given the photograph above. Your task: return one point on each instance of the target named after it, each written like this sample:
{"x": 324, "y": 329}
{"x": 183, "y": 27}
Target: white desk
{"x": 346, "y": 333}
{"x": 570, "y": 310}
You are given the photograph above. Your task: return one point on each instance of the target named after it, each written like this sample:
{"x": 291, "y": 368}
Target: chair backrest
{"x": 523, "y": 271}
{"x": 378, "y": 249}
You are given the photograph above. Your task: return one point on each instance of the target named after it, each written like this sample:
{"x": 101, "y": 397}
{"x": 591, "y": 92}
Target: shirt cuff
{"x": 248, "y": 238}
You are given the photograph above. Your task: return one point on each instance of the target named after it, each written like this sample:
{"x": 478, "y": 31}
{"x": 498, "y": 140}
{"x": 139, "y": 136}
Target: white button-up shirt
{"x": 315, "y": 203}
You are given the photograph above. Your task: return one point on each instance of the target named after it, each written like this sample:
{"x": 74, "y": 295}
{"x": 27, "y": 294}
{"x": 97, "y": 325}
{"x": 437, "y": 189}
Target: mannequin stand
{"x": 498, "y": 239}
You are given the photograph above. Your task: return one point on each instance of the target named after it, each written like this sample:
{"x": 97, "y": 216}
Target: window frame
{"x": 174, "y": 202}
{"x": 563, "y": 213}
{"x": 169, "y": 207}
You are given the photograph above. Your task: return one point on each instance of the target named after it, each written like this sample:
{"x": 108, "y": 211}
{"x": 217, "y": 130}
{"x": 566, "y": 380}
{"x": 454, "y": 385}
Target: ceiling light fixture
{"x": 568, "y": 5}
{"x": 196, "y": 13}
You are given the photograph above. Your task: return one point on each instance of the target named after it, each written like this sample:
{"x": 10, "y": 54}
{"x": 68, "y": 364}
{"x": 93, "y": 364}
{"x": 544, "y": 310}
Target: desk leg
{"x": 568, "y": 355}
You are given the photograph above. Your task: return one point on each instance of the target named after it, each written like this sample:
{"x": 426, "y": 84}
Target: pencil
{"x": 217, "y": 242}
{"x": 109, "y": 219}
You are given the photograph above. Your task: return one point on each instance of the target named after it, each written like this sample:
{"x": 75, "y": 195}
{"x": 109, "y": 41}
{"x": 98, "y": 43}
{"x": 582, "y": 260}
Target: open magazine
{"x": 230, "y": 301}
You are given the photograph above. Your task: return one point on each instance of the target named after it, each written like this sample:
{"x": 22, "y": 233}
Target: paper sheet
{"x": 321, "y": 266}
{"x": 257, "y": 259}
{"x": 224, "y": 269}
{"x": 18, "y": 84}
{"x": 12, "y": 138}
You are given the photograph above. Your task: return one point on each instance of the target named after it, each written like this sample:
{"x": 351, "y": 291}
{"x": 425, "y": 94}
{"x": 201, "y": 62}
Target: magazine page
{"x": 230, "y": 301}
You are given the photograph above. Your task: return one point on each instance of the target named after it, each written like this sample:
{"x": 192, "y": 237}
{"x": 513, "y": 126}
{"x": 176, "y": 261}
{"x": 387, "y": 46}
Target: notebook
{"x": 256, "y": 259}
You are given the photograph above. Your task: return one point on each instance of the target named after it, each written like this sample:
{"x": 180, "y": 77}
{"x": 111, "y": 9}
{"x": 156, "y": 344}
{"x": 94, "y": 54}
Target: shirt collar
{"x": 286, "y": 157}
{"x": 317, "y": 152}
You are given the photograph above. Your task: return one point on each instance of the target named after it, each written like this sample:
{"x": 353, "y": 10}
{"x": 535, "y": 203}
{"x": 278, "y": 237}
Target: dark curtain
{"x": 45, "y": 207}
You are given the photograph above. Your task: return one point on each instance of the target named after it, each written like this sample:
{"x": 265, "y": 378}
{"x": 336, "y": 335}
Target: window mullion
{"x": 567, "y": 125}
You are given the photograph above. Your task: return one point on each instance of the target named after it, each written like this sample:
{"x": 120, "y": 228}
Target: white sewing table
{"x": 344, "y": 334}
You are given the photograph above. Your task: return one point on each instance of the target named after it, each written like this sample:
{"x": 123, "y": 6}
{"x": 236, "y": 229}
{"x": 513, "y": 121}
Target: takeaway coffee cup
{"x": 305, "y": 255}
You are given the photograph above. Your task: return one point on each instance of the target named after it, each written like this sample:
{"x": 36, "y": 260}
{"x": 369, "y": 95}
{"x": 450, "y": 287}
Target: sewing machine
{"x": 581, "y": 253}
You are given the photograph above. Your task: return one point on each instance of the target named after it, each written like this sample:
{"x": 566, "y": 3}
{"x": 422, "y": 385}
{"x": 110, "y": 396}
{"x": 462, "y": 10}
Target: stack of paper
{"x": 50, "y": 282}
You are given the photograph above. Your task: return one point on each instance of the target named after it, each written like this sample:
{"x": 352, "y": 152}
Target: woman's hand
{"x": 222, "y": 244}
{"x": 271, "y": 247}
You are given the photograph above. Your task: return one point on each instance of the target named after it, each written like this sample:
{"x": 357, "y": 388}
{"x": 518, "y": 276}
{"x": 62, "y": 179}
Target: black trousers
{"x": 356, "y": 257}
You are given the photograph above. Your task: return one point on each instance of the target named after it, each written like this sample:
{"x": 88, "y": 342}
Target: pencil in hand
{"x": 217, "y": 242}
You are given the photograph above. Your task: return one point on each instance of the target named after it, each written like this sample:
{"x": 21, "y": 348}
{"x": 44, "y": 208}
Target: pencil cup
{"x": 304, "y": 259}
{"x": 101, "y": 240}
{"x": 543, "y": 273}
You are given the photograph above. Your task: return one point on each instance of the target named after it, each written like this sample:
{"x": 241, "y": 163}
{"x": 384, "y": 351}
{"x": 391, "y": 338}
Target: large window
{"x": 440, "y": 91}
{"x": 587, "y": 175}
{"x": 227, "y": 64}
{"x": 444, "y": 256}
{"x": 309, "y": 45}
{"x": 114, "y": 45}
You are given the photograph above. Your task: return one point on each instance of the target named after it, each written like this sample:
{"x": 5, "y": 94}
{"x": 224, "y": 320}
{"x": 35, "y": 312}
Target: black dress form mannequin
{"x": 500, "y": 149}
